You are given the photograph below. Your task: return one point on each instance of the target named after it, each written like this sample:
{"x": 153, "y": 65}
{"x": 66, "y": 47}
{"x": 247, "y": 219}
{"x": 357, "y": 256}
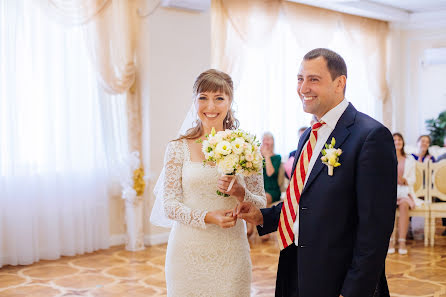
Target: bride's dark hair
{"x": 213, "y": 81}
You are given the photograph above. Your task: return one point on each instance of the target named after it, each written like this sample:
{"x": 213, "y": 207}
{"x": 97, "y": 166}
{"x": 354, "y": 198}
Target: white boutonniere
{"x": 330, "y": 156}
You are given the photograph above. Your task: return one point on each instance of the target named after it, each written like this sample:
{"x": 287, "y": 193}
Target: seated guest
{"x": 289, "y": 164}
{"x": 270, "y": 175}
{"x": 443, "y": 157}
{"x": 271, "y": 169}
{"x": 405, "y": 194}
{"x": 423, "y": 155}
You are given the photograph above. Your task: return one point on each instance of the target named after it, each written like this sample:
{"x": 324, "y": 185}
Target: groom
{"x": 333, "y": 230}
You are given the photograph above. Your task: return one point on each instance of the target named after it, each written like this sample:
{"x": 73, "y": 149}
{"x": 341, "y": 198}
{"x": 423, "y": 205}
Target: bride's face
{"x": 212, "y": 109}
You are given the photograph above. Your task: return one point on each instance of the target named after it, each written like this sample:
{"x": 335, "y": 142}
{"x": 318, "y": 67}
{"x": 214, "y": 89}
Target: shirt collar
{"x": 331, "y": 118}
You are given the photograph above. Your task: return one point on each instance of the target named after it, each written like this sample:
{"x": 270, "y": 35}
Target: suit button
{"x": 302, "y": 246}
{"x": 303, "y": 208}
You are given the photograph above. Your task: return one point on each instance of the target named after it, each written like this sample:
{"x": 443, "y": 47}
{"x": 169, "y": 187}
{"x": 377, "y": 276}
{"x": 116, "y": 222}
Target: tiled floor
{"x": 117, "y": 273}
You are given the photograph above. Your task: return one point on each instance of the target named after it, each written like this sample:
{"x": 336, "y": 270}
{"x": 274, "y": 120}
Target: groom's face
{"x": 316, "y": 89}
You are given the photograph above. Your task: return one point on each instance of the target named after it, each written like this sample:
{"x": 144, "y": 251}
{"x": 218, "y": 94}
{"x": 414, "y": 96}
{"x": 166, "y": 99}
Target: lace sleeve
{"x": 174, "y": 208}
{"x": 254, "y": 190}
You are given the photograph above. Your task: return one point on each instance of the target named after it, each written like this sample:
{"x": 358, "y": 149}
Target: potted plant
{"x": 437, "y": 128}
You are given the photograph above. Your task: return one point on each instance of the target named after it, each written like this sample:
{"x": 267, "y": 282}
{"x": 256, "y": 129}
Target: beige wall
{"x": 417, "y": 92}
{"x": 174, "y": 47}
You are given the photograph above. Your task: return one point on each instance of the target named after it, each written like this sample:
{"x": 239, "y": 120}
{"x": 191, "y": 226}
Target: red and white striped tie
{"x": 290, "y": 206}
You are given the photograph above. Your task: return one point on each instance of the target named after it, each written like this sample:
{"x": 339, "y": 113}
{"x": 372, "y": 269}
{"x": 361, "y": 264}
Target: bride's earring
{"x": 197, "y": 119}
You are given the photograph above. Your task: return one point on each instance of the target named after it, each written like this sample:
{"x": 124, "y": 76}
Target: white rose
{"x": 218, "y": 137}
{"x": 248, "y": 148}
{"x": 248, "y": 164}
{"x": 205, "y": 147}
{"x": 227, "y": 164}
{"x": 223, "y": 148}
{"x": 237, "y": 146}
{"x": 258, "y": 156}
{"x": 249, "y": 157}
{"x": 258, "y": 163}
{"x": 224, "y": 134}
{"x": 250, "y": 138}
{"x": 213, "y": 140}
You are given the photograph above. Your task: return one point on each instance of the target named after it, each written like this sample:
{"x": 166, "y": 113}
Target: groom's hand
{"x": 249, "y": 212}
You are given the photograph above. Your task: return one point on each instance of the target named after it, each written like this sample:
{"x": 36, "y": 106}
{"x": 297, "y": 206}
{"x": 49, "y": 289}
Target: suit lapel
{"x": 340, "y": 133}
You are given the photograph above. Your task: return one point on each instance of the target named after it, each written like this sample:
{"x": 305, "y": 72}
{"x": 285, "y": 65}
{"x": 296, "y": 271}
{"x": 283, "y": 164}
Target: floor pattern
{"x": 117, "y": 273}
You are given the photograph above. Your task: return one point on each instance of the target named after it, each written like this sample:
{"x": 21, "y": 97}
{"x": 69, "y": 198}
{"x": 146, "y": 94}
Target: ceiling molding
{"x": 361, "y": 8}
{"x": 398, "y": 18}
{"x": 423, "y": 20}
{"x": 436, "y": 18}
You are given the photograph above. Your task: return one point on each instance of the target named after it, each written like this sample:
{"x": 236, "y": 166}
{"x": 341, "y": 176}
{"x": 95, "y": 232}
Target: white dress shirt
{"x": 331, "y": 118}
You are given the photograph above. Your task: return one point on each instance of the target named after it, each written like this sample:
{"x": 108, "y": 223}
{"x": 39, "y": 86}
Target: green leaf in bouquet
{"x": 222, "y": 194}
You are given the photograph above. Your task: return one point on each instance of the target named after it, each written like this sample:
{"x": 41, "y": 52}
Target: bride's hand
{"x": 223, "y": 218}
{"x": 236, "y": 191}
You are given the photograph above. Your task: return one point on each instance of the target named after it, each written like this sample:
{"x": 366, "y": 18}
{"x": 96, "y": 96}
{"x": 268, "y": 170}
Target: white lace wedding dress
{"x": 204, "y": 260}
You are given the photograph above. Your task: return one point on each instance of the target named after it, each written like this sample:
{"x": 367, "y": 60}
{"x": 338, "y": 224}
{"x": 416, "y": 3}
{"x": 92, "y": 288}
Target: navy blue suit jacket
{"x": 345, "y": 220}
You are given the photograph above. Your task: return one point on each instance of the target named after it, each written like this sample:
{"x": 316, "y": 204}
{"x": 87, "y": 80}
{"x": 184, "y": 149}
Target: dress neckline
{"x": 188, "y": 156}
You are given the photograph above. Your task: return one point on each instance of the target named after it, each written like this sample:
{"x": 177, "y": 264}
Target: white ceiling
{"x": 406, "y": 13}
{"x": 414, "y": 5}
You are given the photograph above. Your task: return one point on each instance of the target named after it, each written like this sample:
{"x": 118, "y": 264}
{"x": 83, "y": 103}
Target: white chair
{"x": 437, "y": 189}
{"x": 421, "y": 189}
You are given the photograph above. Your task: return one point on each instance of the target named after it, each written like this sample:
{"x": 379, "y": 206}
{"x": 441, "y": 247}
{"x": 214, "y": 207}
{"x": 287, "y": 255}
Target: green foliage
{"x": 437, "y": 128}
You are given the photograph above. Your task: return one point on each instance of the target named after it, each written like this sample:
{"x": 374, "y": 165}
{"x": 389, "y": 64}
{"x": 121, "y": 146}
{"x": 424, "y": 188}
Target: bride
{"x": 208, "y": 251}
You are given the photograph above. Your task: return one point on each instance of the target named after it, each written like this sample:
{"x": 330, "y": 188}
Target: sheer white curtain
{"x": 266, "y": 93}
{"x": 265, "y": 96}
{"x": 55, "y": 138}
{"x": 265, "y": 68}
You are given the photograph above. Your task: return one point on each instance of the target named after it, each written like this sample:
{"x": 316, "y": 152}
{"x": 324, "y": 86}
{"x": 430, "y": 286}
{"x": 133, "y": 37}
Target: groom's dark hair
{"x": 335, "y": 63}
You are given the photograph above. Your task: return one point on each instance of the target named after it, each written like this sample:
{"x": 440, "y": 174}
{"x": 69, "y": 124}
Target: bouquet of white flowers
{"x": 234, "y": 152}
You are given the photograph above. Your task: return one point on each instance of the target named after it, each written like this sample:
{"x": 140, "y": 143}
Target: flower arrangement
{"x": 330, "y": 156}
{"x": 234, "y": 152}
{"x": 139, "y": 183}
{"x": 133, "y": 180}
